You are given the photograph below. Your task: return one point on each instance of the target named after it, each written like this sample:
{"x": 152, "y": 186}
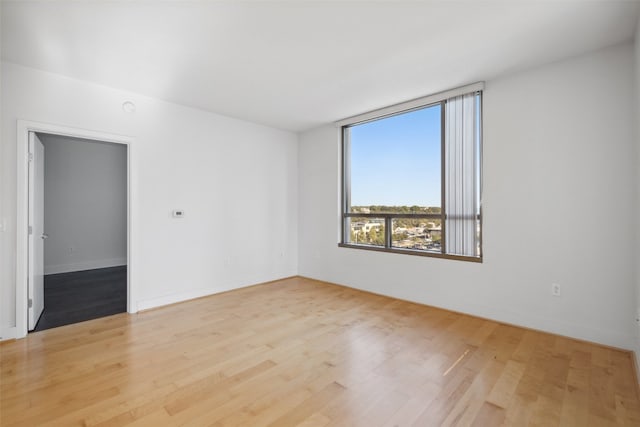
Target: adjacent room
{"x": 85, "y": 228}
{"x": 345, "y": 213}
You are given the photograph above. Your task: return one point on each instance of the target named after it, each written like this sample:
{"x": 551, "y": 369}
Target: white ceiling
{"x": 298, "y": 64}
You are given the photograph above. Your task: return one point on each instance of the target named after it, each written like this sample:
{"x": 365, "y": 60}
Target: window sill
{"x": 411, "y": 252}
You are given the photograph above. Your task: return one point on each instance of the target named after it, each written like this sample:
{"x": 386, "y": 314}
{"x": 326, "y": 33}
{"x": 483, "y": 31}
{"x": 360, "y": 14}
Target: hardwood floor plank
{"x": 308, "y": 353}
{"x": 504, "y": 389}
{"x": 489, "y": 415}
{"x": 467, "y": 408}
{"x": 410, "y": 411}
{"x": 316, "y": 420}
{"x": 576, "y": 394}
{"x": 314, "y": 403}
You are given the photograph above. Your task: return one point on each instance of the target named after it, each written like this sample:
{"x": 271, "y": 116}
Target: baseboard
{"x": 152, "y": 303}
{"x": 87, "y": 265}
{"x": 593, "y": 336}
{"x": 8, "y": 333}
{"x": 174, "y": 298}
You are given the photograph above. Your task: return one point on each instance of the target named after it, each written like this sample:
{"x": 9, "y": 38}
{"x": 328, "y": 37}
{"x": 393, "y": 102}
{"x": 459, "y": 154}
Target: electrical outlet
{"x": 555, "y": 289}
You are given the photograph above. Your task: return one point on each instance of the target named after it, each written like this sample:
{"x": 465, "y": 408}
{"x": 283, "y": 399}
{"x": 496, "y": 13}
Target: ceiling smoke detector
{"x": 128, "y": 107}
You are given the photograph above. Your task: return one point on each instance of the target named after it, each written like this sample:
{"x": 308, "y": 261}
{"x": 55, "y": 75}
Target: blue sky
{"x": 396, "y": 161}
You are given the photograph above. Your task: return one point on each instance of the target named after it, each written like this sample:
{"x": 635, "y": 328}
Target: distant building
{"x": 365, "y": 226}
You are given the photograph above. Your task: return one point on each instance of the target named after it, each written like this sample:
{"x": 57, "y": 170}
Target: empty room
{"x": 320, "y": 213}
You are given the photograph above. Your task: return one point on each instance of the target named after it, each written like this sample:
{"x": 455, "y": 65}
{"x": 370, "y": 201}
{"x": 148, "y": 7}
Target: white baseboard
{"x": 203, "y": 292}
{"x": 8, "y": 333}
{"x": 174, "y": 298}
{"x": 87, "y": 265}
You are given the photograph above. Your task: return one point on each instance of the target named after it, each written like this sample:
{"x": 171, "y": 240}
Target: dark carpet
{"x": 83, "y": 295}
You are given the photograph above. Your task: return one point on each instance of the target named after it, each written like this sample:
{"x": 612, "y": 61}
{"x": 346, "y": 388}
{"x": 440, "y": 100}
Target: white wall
{"x": 85, "y": 204}
{"x": 559, "y": 157}
{"x": 236, "y": 181}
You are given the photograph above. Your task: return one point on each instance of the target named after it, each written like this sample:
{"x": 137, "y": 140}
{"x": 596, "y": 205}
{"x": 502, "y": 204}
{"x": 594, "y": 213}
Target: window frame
{"x": 345, "y": 178}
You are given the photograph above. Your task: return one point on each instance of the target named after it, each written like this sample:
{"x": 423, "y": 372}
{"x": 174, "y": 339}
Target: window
{"x": 411, "y": 177}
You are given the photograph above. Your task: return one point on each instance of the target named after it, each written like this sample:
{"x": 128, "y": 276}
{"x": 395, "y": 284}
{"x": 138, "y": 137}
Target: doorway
{"x": 74, "y": 228}
{"x": 84, "y": 259}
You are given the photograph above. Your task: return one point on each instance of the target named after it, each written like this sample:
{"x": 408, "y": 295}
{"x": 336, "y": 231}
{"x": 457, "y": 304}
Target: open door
{"x": 36, "y": 230}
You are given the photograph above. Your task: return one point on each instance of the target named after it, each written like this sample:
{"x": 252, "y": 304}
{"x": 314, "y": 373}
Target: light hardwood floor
{"x": 299, "y": 352}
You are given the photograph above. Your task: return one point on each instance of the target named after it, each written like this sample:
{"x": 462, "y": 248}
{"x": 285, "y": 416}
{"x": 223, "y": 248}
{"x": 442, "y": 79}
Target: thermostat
{"x": 177, "y": 213}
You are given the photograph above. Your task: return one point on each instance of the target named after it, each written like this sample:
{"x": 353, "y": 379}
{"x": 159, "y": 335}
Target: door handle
{"x": 44, "y": 236}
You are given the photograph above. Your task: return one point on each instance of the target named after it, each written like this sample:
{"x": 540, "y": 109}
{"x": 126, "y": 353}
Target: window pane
{"x": 395, "y": 163}
{"x": 417, "y": 234}
{"x": 365, "y": 231}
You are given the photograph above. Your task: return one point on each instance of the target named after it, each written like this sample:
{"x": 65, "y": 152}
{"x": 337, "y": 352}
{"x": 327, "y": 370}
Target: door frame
{"x": 22, "y": 209}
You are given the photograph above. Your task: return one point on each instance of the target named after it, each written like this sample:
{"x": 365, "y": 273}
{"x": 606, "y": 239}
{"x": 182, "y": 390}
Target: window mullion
{"x": 388, "y": 234}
